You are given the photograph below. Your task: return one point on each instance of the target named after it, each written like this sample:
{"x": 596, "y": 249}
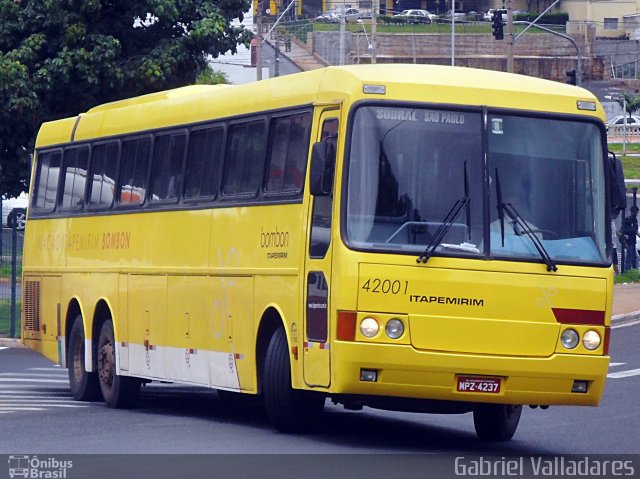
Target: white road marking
{"x": 25, "y": 390}
{"x": 36, "y": 391}
{"x": 40, "y": 404}
{"x": 55, "y": 368}
{"x": 625, "y": 325}
{"x": 20, "y": 380}
{"x": 14, "y": 409}
{"x": 4, "y": 347}
{"x": 613, "y": 365}
{"x": 37, "y": 399}
{"x": 624, "y": 374}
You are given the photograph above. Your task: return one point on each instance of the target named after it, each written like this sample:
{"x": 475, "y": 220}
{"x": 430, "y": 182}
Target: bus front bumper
{"x": 402, "y": 371}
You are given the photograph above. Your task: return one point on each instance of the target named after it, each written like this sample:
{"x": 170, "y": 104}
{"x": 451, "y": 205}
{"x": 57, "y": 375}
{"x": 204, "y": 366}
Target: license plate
{"x": 467, "y": 384}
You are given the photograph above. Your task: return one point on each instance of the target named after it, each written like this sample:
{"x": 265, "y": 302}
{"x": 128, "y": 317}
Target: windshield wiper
{"x": 446, "y": 224}
{"x": 467, "y": 209}
{"x": 526, "y": 229}
{"x": 500, "y": 206}
{"x": 522, "y": 226}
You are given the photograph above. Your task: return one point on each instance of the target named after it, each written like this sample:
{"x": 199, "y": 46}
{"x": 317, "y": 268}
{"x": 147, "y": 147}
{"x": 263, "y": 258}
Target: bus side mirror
{"x": 323, "y": 156}
{"x": 617, "y": 188}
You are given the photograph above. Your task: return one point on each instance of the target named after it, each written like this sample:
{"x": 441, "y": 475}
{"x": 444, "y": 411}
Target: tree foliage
{"x": 60, "y": 57}
{"x": 630, "y": 102}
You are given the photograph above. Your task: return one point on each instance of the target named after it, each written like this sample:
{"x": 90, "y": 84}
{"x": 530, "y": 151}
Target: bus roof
{"x": 404, "y": 82}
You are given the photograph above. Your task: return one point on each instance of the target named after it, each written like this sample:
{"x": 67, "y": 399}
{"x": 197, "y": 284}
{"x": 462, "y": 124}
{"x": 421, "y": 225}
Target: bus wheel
{"x": 83, "y": 385}
{"x": 496, "y": 422}
{"x": 119, "y": 392}
{"x": 288, "y": 409}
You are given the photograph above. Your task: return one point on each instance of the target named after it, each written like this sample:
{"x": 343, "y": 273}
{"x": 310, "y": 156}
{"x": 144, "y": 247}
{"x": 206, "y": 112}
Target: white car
{"x": 14, "y": 211}
{"x": 352, "y": 15}
{"x": 489, "y": 15}
{"x": 329, "y": 17}
{"x": 619, "y": 120}
{"x": 416, "y": 16}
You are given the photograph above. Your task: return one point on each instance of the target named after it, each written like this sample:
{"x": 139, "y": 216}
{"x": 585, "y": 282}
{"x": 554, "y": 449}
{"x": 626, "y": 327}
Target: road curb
{"x": 625, "y": 317}
{"x": 11, "y": 343}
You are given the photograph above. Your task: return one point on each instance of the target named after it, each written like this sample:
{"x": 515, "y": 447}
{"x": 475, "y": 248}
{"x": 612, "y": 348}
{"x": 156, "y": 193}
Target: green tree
{"x": 209, "y": 76}
{"x": 58, "y": 58}
{"x": 631, "y": 102}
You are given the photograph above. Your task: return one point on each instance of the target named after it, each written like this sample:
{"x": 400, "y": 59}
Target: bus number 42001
{"x": 385, "y": 286}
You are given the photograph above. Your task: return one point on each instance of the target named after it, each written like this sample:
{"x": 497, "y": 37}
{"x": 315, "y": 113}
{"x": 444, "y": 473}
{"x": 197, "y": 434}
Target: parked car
{"x": 416, "y": 16}
{"x": 619, "y": 120}
{"x": 328, "y": 17}
{"x": 14, "y": 211}
{"x": 458, "y": 15}
{"x": 352, "y": 15}
{"x": 489, "y": 15}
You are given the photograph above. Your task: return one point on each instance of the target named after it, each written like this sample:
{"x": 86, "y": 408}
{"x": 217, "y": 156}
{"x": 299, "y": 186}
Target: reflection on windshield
{"x": 407, "y": 170}
{"x": 551, "y": 172}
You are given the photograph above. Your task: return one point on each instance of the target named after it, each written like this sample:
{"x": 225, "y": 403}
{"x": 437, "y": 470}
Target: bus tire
{"x": 288, "y": 409}
{"x": 496, "y": 422}
{"x": 83, "y": 385}
{"x": 119, "y": 392}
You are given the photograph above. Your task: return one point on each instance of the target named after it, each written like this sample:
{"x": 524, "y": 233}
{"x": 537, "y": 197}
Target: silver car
{"x": 14, "y": 211}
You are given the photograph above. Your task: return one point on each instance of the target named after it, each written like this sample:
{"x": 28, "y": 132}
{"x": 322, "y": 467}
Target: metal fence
{"x": 11, "y": 245}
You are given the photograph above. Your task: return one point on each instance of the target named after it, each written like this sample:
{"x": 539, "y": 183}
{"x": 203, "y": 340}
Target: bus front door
{"x": 317, "y": 355}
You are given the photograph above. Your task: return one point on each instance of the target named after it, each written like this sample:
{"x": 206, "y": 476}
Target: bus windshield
{"x": 417, "y": 180}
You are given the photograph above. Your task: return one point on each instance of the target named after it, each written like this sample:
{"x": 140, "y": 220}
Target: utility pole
{"x": 375, "y": 4}
{"x": 342, "y": 34}
{"x": 259, "y": 42}
{"x": 277, "y": 65}
{"x": 453, "y": 32}
{"x": 510, "y": 35}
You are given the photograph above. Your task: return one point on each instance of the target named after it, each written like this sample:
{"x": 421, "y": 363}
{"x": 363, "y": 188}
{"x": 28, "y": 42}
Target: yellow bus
{"x": 417, "y": 238}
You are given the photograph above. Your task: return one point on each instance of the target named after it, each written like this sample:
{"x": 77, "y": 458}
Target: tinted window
{"x": 203, "y": 163}
{"x": 168, "y": 154}
{"x": 104, "y": 167}
{"x": 244, "y": 163}
{"x": 74, "y": 177}
{"x": 288, "y": 153}
{"x": 135, "y": 158}
{"x": 48, "y": 172}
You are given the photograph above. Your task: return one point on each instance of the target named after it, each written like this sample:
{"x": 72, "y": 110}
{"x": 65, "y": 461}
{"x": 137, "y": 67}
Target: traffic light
{"x": 497, "y": 26}
{"x": 571, "y": 77}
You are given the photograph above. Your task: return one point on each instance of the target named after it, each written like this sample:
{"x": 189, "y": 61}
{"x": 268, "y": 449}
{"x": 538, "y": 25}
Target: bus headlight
{"x": 394, "y": 328}
{"x": 591, "y": 340}
{"x": 369, "y": 327}
{"x": 569, "y": 338}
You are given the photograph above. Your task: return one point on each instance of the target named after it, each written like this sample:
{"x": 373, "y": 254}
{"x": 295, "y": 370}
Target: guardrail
{"x": 618, "y": 130}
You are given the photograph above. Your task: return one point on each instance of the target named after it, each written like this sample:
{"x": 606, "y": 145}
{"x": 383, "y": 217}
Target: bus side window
{"x": 288, "y": 153}
{"x": 135, "y": 159}
{"x": 104, "y": 167}
{"x": 166, "y": 167}
{"x": 47, "y": 182}
{"x": 202, "y": 173}
{"x": 74, "y": 177}
{"x": 244, "y": 163}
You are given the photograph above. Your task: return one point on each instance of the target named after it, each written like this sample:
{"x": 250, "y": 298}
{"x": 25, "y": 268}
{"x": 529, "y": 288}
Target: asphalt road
{"x": 37, "y": 416}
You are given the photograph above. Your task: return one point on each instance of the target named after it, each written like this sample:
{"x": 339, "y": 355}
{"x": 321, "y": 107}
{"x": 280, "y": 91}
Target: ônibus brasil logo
{"x": 38, "y": 468}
